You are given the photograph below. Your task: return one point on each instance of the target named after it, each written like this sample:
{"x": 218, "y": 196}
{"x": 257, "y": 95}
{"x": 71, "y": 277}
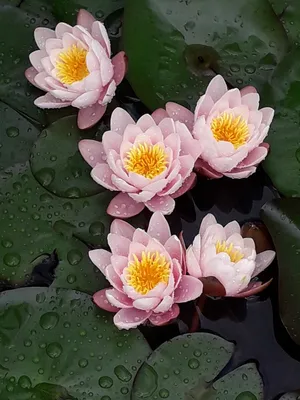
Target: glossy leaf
{"x": 180, "y": 45}
{"x": 31, "y": 217}
{"x": 55, "y": 344}
{"x": 283, "y": 222}
{"x": 17, "y": 136}
{"x": 186, "y": 368}
{"x": 57, "y": 163}
{"x": 288, "y": 13}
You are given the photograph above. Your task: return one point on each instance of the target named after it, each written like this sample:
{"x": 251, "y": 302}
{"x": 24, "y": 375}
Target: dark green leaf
{"x": 17, "y": 136}
{"x": 185, "y": 368}
{"x": 283, "y": 222}
{"x": 289, "y": 13}
{"x": 61, "y": 347}
{"x": 175, "y": 47}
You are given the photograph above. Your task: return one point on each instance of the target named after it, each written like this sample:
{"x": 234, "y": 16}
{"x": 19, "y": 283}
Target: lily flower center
{"x": 234, "y": 254}
{"x": 71, "y": 65}
{"x": 147, "y": 160}
{"x": 230, "y": 129}
{"x": 145, "y": 273}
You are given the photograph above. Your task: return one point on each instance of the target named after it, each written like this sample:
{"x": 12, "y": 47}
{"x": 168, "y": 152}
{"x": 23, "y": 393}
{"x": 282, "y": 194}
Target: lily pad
{"x": 180, "y": 45}
{"x": 55, "y": 344}
{"x": 17, "y": 136}
{"x": 57, "y": 163}
{"x": 42, "y": 9}
{"x": 66, "y": 10}
{"x": 283, "y": 222}
{"x": 289, "y": 13}
{"x": 186, "y": 368}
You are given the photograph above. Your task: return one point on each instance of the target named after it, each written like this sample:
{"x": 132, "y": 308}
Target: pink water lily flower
{"x": 147, "y": 274}
{"x": 222, "y": 253}
{"x": 74, "y": 66}
{"x": 149, "y": 164}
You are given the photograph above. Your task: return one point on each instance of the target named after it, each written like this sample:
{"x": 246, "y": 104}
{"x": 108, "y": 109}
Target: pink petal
{"x": 187, "y": 164}
{"x": 85, "y": 19}
{"x": 253, "y": 288}
{"x": 48, "y": 67}
{"x": 52, "y": 44}
{"x": 109, "y": 93}
{"x": 119, "y": 120}
{"x": 145, "y": 122}
{"x": 101, "y": 258}
{"x": 251, "y": 100}
{"x": 49, "y": 101}
{"x": 130, "y": 318}
{"x": 192, "y": 263}
{"x": 111, "y": 141}
{"x": 122, "y": 228}
{"x": 232, "y": 228}
{"x": 142, "y": 237}
{"x": 35, "y": 58}
{"x": 41, "y": 83}
{"x": 101, "y": 174}
{"x": 118, "y": 299}
{"x": 62, "y": 28}
{"x": 93, "y": 81}
{"x": 165, "y": 304}
{"x": 141, "y": 197}
{"x": 99, "y": 33}
{"x": 159, "y": 228}
{"x": 163, "y": 204}
{"x": 113, "y": 278}
{"x": 167, "y": 126}
{"x": 268, "y": 114}
{"x": 262, "y": 261}
{"x": 216, "y": 88}
{"x": 174, "y": 248}
{"x": 123, "y": 186}
{"x": 187, "y": 185}
{"x": 203, "y": 168}
{"x": 119, "y": 263}
{"x": 92, "y": 61}
{"x": 119, "y": 61}
{"x": 122, "y": 206}
{"x": 63, "y": 95}
{"x": 101, "y": 301}
{"x": 119, "y": 245}
{"x": 92, "y": 151}
{"x": 204, "y": 106}
{"x": 30, "y": 74}
{"x": 189, "y": 288}
{"x": 180, "y": 113}
{"x": 238, "y": 173}
{"x": 164, "y": 318}
{"x": 41, "y": 35}
{"x": 248, "y": 89}
{"x": 179, "y": 269}
{"x": 254, "y": 158}
{"x": 146, "y": 303}
{"x": 89, "y": 116}
{"x": 207, "y": 221}
{"x": 159, "y": 114}
{"x": 86, "y": 99}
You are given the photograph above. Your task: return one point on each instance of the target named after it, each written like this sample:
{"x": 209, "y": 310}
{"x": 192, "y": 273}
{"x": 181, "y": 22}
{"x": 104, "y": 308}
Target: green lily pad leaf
{"x": 57, "y": 163}
{"x": 186, "y": 367}
{"x": 289, "y": 13}
{"x": 282, "y": 219}
{"x": 34, "y": 221}
{"x": 180, "y": 45}
{"x": 42, "y": 9}
{"x": 17, "y": 136}
{"x": 283, "y": 137}
{"x": 290, "y": 396}
{"x": 56, "y": 344}
{"x": 67, "y": 10}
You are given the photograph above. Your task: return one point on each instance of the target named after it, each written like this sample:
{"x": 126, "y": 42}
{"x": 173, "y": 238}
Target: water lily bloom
{"x": 74, "y": 66}
{"x": 222, "y": 253}
{"x": 147, "y": 274}
{"x": 149, "y": 164}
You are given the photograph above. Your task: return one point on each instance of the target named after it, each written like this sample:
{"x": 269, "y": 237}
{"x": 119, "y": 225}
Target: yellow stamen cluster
{"x": 71, "y": 65}
{"x": 234, "y": 254}
{"x": 230, "y": 129}
{"x": 147, "y": 160}
{"x": 145, "y": 273}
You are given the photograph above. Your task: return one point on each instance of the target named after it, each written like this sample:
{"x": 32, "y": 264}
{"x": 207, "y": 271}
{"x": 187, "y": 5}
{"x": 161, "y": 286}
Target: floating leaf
{"x": 57, "y": 163}
{"x": 17, "y": 136}
{"x": 55, "y": 344}
{"x": 283, "y": 222}
{"x": 289, "y": 13}
{"x": 185, "y": 368}
{"x": 175, "y": 47}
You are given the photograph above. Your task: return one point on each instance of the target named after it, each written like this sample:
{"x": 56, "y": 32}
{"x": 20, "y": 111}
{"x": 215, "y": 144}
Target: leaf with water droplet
{"x": 46, "y": 352}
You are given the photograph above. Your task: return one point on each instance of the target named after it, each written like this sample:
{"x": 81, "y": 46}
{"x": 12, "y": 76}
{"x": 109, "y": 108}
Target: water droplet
{"x": 197, "y": 353}
{"x": 235, "y": 68}
{"x": 105, "y": 382}
{"x": 122, "y": 373}
{"x": 83, "y": 362}
{"x": 97, "y": 228}
{"x": 73, "y": 192}
{"x": 105, "y": 398}
{"x": 45, "y": 176}
{"x": 74, "y": 257}
{"x": 24, "y": 382}
{"x": 12, "y": 132}
{"x": 176, "y": 371}
{"x": 246, "y": 396}
{"x": 12, "y": 259}
{"x": 99, "y": 14}
{"x": 54, "y": 350}
{"x": 27, "y": 343}
{"x": 7, "y": 243}
{"x": 193, "y": 363}
{"x": 21, "y": 357}
{"x": 189, "y": 26}
{"x": 71, "y": 279}
{"x": 250, "y": 69}
{"x": 164, "y": 393}
{"x": 49, "y": 320}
